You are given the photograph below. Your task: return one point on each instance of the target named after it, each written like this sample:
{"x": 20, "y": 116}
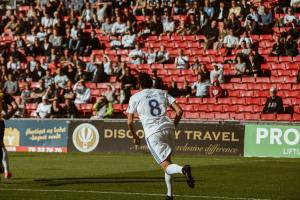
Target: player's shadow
{"x": 102, "y": 180}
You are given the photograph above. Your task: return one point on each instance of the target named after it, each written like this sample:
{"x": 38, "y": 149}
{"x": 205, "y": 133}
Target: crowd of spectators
{"x": 52, "y": 38}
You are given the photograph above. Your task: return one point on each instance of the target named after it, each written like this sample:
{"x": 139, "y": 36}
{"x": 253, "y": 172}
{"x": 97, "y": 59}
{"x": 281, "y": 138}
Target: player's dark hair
{"x": 145, "y": 80}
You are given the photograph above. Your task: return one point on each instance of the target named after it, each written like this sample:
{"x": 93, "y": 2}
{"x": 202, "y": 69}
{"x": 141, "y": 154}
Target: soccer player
{"x": 151, "y": 106}
{"x": 8, "y": 107}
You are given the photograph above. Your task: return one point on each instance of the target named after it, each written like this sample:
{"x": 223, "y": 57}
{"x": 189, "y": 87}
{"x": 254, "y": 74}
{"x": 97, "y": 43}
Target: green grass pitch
{"x": 76, "y": 176}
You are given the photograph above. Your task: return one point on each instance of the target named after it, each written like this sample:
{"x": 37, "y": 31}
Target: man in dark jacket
{"x": 274, "y": 103}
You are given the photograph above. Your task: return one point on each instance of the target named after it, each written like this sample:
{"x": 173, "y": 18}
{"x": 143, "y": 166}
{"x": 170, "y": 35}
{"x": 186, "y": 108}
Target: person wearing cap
{"x": 44, "y": 108}
{"x": 274, "y": 103}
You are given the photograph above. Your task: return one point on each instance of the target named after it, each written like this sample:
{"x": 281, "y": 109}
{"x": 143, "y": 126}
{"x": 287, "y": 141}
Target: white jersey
{"x": 151, "y": 106}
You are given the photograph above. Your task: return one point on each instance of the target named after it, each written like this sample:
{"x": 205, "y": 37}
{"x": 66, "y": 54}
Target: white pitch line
{"x": 128, "y": 193}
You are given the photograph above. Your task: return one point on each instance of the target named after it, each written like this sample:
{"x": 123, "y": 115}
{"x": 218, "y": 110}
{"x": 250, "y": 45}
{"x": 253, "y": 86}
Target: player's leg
{"x": 1, "y": 153}
{"x": 7, "y": 173}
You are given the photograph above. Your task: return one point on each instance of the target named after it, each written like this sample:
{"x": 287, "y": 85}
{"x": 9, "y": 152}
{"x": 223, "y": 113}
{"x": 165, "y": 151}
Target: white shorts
{"x": 161, "y": 144}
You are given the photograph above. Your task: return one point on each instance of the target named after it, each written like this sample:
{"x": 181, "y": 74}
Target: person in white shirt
{"x": 162, "y": 55}
{"x": 107, "y": 65}
{"x": 289, "y": 17}
{"x": 151, "y": 56}
{"x": 44, "y": 108}
{"x": 217, "y": 73}
{"x": 168, "y": 25}
{"x": 137, "y": 55}
{"x": 231, "y": 41}
{"x": 253, "y": 14}
{"x": 47, "y": 21}
{"x": 128, "y": 40}
{"x": 101, "y": 10}
{"x": 55, "y": 39}
{"x": 118, "y": 28}
{"x": 201, "y": 87}
{"x": 60, "y": 78}
{"x": 181, "y": 61}
{"x": 82, "y": 93}
{"x": 245, "y": 38}
{"x": 41, "y": 35}
{"x": 151, "y": 106}
{"x": 13, "y": 64}
{"x": 87, "y": 13}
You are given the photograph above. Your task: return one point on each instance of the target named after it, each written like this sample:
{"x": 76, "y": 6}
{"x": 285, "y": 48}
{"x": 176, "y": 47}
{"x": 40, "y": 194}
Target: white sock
{"x": 5, "y": 160}
{"x": 169, "y": 183}
{"x": 174, "y": 169}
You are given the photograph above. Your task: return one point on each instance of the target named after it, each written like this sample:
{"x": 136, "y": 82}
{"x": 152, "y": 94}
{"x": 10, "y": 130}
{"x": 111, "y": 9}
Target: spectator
{"x": 168, "y": 26}
{"x": 181, "y": 61}
{"x": 129, "y": 39}
{"x": 48, "y": 78}
{"x": 217, "y": 73}
{"x": 235, "y": 9}
{"x": 103, "y": 108}
{"x": 174, "y": 90}
{"x": 240, "y": 66}
{"x": 274, "y": 103}
{"x": 137, "y": 55}
{"x": 26, "y": 94}
{"x": 255, "y": 60}
{"x": 186, "y": 91}
{"x": 87, "y": 13}
{"x": 289, "y": 17}
{"x": 68, "y": 91}
{"x": 151, "y": 56}
{"x": 128, "y": 79}
{"x": 157, "y": 81}
{"x": 216, "y": 90}
{"x": 106, "y": 27}
{"x": 82, "y": 93}
{"x": 205, "y": 73}
{"x": 110, "y": 93}
{"x": 99, "y": 75}
{"x": 93, "y": 43}
{"x": 60, "y": 78}
{"x": 118, "y": 28}
{"x": 291, "y": 47}
{"x": 203, "y": 21}
{"x": 221, "y": 12}
{"x": 196, "y": 65}
{"x": 266, "y": 19}
{"x": 208, "y": 9}
{"x": 39, "y": 92}
{"x": 55, "y": 39}
{"x": 11, "y": 85}
{"x": 156, "y": 25}
{"x": 230, "y": 42}
{"x": 107, "y": 65}
{"x": 70, "y": 110}
{"x": 162, "y": 56}
{"x": 251, "y": 26}
{"x": 56, "y": 109}
{"x": 201, "y": 87}
{"x": 253, "y": 15}
{"x": 44, "y": 108}
{"x": 278, "y": 48}
{"x": 211, "y": 35}
{"x": 13, "y": 65}
{"x": 38, "y": 72}
{"x": 124, "y": 94}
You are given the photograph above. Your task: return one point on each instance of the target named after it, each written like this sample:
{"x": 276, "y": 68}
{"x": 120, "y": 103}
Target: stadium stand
{"x": 88, "y": 41}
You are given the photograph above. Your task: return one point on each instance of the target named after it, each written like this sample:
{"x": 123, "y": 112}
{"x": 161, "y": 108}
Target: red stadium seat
{"x": 191, "y": 115}
{"x": 195, "y": 100}
{"x": 251, "y": 116}
{"x": 238, "y": 101}
{"x": 237, "y": 116}
{"x": 230, "y": 108}
{"x": 226, "y": 101}
{"x": 222, "y": 116}
{"x": 206, "y": 116}
{"x": 296, "y": 117}
{"x": 201, "y": 107}
{"x": 268, "y": 117}
{"x": 284, "y": 117}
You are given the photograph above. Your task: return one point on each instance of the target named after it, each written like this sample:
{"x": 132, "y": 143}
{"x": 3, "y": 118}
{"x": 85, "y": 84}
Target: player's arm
{"x": 136, "y": 138}
{"x": 12, "y": 111}
{"x": 178, "y": 110}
